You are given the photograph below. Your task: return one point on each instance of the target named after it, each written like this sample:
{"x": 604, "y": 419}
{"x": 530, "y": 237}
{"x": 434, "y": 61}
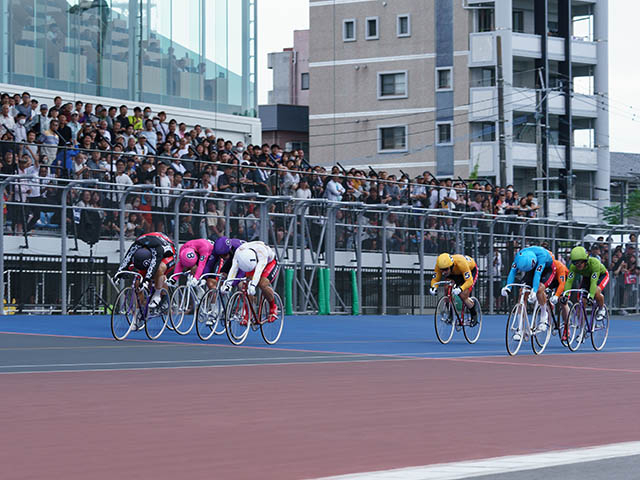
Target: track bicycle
{"x": 211, "y": 311}
{"x": 131, "y": 309}
{"x": 559, "y": 326}
{"x": 183, "y": 305}
{"x": 585, "y": 325}
{"x": 520, "y": 329}
{"x": 447, "y": 318}
{"x": 241, "y": 315}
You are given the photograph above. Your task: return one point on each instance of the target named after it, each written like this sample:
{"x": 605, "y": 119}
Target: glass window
{"x": 393, "y": 138}
{"x": 444, "y": 78}
{"x": 349, "y": 30}
{"x": 304, "y": 81}
{"x": 196, "y": 54}
{"x": 518, "y": 21}
{"x": 584, "y": 183}
{"x": 392, "y": 85}
{"x": 485, "y": 20}
{"x": 372, "y": 28}
{"x": 443, "y": 132}
{"x": 404, "y": 26}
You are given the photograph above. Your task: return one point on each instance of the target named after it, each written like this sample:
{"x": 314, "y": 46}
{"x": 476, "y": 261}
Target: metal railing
{"x": 391, "y": 248}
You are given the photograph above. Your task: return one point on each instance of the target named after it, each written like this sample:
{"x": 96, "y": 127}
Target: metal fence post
{"x": 492, "y": 227}
{"x": 421, "y": 292}
{"x": 123, "y": 200}
{"x": 3, "y": 186}
{"x": 229, "y": 205}
{"x": 384, "y": 262}
{"x": 63, "y": 238}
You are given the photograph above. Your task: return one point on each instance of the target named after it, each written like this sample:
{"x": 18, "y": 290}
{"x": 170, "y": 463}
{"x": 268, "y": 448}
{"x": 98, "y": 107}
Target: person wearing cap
{"x": 141, "y": 147}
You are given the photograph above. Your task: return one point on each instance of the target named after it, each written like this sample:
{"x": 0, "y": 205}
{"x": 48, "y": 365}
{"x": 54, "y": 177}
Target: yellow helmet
{"x": 444, "y": 261}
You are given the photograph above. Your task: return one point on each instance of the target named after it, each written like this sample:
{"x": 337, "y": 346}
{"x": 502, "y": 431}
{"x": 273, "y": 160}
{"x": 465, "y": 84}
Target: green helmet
{"x": 579, "y": 253}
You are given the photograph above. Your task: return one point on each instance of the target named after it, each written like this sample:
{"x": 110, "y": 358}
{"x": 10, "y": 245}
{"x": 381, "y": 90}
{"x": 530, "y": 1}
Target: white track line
{"x": 184, "y": 367}
{"x": 500, "y": 465}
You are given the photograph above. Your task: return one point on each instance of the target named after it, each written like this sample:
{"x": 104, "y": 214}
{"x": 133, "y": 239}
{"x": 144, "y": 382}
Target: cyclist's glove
{"x": 532, "y": 297}
{"x": 505, "y": 291}
{"x": 433, "y": 290}
{"x": 456, "y": 291}
{"x": 251, "y": 289}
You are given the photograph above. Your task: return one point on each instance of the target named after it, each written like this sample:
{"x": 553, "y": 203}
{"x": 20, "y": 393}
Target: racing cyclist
{"x": 537, "y": 264}
{"x": 258, "y": 262}
{"x": 595, "y": 278}
{"x": 153, "y": 256}
{"x": 195, "y": 252}
{"x": 463, "y": 271}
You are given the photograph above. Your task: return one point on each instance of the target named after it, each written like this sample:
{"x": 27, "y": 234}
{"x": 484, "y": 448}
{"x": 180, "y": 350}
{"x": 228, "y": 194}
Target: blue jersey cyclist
{"x": 537, "y": 265}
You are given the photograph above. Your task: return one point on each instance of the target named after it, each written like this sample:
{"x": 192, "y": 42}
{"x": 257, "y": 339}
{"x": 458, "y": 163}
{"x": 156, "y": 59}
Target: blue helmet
{"x": 526, "y": 260}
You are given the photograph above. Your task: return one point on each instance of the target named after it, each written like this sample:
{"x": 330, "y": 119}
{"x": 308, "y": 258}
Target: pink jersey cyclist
{"x": 195, "y": 251}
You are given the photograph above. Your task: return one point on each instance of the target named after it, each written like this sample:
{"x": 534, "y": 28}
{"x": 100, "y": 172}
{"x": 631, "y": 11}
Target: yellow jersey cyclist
{"x": 595, "y": 278}
{"x": 463, "y": 271}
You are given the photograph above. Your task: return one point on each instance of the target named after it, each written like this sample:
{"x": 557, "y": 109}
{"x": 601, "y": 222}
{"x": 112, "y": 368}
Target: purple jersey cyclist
{"x": 221, "y": 259}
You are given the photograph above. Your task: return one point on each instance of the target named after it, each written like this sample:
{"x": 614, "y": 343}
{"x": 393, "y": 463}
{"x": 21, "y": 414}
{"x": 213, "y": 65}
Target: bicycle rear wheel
{"x": 208, "y": 315}
{"x": 472, "y": 327}
{"x": 124, "y": 312}
{"x": 157, "y": 321}
{"x": 576, "y": 327}
{"x": 540, "y": 338}
{"x": 515, "y": 329}
{"x": 183, "y": 306}
{"x": 600, "y": 331}
{"x": 271, "y": 331}
{"x": 238, "y": 319}
{"x": 444, "y": 320}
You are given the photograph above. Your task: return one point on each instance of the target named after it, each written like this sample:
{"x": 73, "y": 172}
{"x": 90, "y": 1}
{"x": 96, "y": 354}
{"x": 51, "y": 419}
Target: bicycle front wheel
{"x": 541, "y": 331}
{"x": 182, "y": 310}
{"x": 576, "y": 327}
{"x": 238, "y": 318}
{"x": 208, "y": 315}
{"x": 124, "y": 312}
{"x": 157, "y": 320}
{"x": 515, "y": 329}
{"x": 444, "y": 320}
{"x": 271, "y": 330}
{"x": 471, "y": 327}
{"x": 600, "y": 331}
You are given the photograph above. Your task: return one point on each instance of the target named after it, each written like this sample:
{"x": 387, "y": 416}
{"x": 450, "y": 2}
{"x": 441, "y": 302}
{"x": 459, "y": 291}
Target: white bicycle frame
{"x": 522, "y": 304}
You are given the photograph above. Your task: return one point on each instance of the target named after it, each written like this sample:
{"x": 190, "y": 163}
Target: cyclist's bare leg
{"x": 160, "y": 278}
{"x": 464, "y": 296}
{"x": 599, "y": 297}
{"x": 265, "y": 286}
{"x": 541, "y": 295}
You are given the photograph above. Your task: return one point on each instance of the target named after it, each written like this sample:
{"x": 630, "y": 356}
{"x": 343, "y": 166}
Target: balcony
{"x": 525, "y": 155}
{"x": 485, "y": 155}
{"x": 528, "y": 45}
{"x": 482, "y": 48}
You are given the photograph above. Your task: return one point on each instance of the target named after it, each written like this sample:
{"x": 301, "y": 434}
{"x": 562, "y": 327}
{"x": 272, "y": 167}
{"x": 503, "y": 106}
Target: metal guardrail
{"x": 308, "y": 234}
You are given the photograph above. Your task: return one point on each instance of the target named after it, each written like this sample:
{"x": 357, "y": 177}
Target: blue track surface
{"x": 373, "y": 335}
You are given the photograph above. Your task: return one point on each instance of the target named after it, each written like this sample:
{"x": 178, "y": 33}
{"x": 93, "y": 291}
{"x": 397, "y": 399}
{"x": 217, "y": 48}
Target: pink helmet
{"x": 188, "y": 257}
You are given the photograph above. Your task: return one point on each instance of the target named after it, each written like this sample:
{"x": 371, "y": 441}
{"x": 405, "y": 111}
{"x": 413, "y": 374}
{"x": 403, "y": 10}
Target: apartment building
{"x": 414, "y": 85}
{"x": 291, "y": 72}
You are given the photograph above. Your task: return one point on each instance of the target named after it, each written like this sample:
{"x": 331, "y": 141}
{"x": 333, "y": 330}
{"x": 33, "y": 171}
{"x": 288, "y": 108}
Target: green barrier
{"x": 322, "y": 293}
{"x": 288, "y": 291}
{"x": 355, "y": 301}
{"x": 327, "y": 289}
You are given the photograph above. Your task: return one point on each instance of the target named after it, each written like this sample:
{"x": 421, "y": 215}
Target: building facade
{"x": 195, "y": 59}
{"x": 416, "y": 85}
{"x": 291, "y": 72}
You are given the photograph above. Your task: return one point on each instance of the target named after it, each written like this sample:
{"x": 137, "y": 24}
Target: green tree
{"x": 611, "y": 214}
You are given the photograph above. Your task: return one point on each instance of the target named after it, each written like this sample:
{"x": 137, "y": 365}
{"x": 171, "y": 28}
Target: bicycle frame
{"x": 522, "y": 302}
{"x": 136, "y": 286}
{"x": 589, "y": 320}
{"x": 242, "y": 283}
{"x": 449, "y": 293}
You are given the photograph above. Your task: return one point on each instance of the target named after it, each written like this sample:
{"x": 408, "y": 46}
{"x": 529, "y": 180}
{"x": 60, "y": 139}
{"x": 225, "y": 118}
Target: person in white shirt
{"x": 141, "y": 147}
{"x": 334, "y": 190}
{"x": 19, "y": 131}
{"x": 258, "y": 262}
{"x": 6, "y": 120}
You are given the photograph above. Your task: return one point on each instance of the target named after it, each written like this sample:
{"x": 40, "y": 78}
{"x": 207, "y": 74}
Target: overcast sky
{"x": 277, "y": 19}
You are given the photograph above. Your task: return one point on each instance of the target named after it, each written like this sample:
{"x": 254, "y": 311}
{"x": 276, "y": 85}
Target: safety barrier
{"x": 374, "y": 258}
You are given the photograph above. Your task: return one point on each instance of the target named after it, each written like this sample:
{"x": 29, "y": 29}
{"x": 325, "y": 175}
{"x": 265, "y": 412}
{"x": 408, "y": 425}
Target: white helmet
{"x": 247, "y": 259}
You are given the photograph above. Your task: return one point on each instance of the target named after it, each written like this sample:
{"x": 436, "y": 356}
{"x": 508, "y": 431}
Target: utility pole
{"x": 501, "y": 135}
{"x": 540, "y": 173}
